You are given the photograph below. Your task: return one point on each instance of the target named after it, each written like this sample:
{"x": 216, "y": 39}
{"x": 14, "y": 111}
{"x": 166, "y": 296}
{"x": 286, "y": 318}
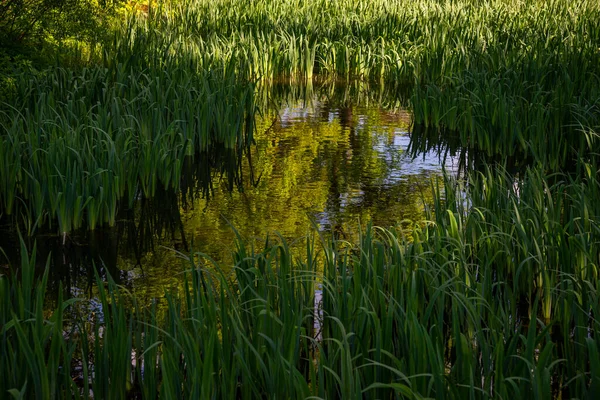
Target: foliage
{"x": 495, "y": 296}
{"x": 35, "y": 28}
{"x": 489, "y": 299}
{"x": 73, "y": 162}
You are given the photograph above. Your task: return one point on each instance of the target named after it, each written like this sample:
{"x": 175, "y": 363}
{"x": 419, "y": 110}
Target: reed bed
{"x": 510, "y": 78}
{"x": 75, "y": 145}
{"x": 494, "y": 297}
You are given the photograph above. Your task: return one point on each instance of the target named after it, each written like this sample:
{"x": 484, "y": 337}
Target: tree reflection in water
{"x": 330, "y": 153}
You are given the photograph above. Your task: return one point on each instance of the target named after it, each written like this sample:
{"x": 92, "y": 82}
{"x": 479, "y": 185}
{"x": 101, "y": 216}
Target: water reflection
{"x": 332, "y": 155}
{"x": 447, "y": 145}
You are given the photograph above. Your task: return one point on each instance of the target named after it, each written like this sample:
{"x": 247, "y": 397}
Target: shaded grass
{"x": 75, "y": 145}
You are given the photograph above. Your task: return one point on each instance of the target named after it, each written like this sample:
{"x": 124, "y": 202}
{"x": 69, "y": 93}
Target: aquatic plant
{"x": 515, "y": 79}
{"x": 489, "y": 298}
{"x": 77, "y": 144}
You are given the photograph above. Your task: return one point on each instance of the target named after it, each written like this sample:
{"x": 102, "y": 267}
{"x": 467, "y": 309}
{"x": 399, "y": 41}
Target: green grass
{"x": 509, "y": 78}
{"x": 494, "y": 296}
{"x": 77, "y": 144}
{"x": 491, "y": 298}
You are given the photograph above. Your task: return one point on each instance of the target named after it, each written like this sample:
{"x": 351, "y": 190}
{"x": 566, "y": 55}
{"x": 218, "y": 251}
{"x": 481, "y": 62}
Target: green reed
{"x": 495, "y": 296}
{"x": 490, "y": 298}
{"x": 77, "y": 144}
{"x": 511, "y": 78}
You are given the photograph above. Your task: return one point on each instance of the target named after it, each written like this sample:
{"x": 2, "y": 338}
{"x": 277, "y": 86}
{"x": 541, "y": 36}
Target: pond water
{"x": 317, "y": 161}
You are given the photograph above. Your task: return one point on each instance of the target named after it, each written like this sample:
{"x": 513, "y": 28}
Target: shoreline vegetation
{"x": 488, "y": 301}
{"x": 509, "y": 78}
{"x": 494, "y": 294}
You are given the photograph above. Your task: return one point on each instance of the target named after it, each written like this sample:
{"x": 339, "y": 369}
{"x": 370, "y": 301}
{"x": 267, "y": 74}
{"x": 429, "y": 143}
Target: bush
{"x": 34, "y": 28}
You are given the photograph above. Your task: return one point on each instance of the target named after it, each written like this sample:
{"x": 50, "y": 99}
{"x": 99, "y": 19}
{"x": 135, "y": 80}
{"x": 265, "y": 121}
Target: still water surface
{"x": 315, "y": 161}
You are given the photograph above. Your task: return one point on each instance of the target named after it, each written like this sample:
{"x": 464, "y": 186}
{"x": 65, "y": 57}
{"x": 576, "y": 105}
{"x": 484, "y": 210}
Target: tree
{"x": 26, "y": 23}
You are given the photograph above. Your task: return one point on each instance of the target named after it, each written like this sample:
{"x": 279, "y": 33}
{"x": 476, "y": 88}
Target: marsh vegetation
{"x": 484, "y": 284}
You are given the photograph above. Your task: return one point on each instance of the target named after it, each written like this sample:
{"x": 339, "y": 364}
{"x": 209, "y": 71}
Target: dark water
{"x": 317, "y": 159}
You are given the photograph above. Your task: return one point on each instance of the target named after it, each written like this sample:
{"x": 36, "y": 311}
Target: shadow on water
{"x": 336, "y": 154}
{"x": 140, "y": 230}
{"x": 447, "y": 144}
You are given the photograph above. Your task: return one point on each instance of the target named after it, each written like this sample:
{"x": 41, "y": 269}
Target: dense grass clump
{"x": 510, "y": 78}
{"x": 77, "y": 144}
{"x": 495, "y": 297}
